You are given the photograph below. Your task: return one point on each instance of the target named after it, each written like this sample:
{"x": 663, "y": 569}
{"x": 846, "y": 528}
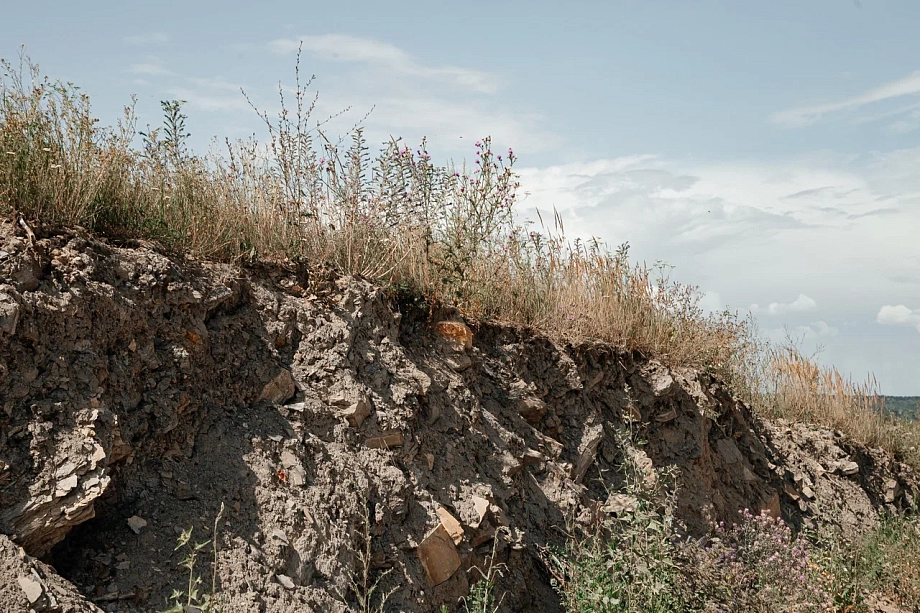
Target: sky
{"x": 769, "y": 151}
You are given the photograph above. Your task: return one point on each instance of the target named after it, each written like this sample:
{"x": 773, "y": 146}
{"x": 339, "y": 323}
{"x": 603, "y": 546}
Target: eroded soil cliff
{"x": 140, "y": 392}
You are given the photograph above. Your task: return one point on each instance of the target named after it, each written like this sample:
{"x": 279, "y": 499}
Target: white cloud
{"x": 802, "y": 303}
{"x": 209, "y": 101}
{"x": 146, "y": 39}
{"x": 841, "y": 228}
{"x": 804, "y": 337}
{"x": 899, "y": 315}
{"x": 807, "y": 115}
{"x": 823, "y": 329}
{"x": 346, "y": 48}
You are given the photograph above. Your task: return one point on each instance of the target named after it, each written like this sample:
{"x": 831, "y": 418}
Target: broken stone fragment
{"x": 297, "y": 476}
{"x": 357, "y": 412}
{"x": 136, "y": 523}
{"x": 438, "y": 555}
{"x": 32, "y": 588}
{"x": 532, "y": 457}
{"x": 387, "y": 440}
{"x": 620, "y": 503}
{"x": 511, "y": 466}
{"x": 661, "y": 382}
{"x": 644, "y": 466}
{"x": 458, "y": 362}
{"x": 587, "y": 451}
{"x": 483, "y": 533}
{"x": 665, "y": 417}
{"x": 772, "y": 506}
{"x": 285, "y": 581}
{"x": 279, "y": 535}
{"x": 65, "y": 486}
{"x": 450, "y": 523}
{"x": 892, "y": 489}
{"x": 531, "y": 409}
{"x": 481, "y": 508}
{"x": 848, "y": 469}
{"x": 9, "y": 314}
{"x": 289, "y": 460}
{"x": 280, "y": 388}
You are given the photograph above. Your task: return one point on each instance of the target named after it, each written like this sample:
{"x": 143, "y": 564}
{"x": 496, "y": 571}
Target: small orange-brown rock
{"x": 438, "y": 555}
{"x": 386, "y": 440}
{"x": 531, "y": 409}
{"x": 772, "y": 506}
{"x": 450, "y": 523}
{"x": 455, "y": 331}
{"x": 280, "y": 388}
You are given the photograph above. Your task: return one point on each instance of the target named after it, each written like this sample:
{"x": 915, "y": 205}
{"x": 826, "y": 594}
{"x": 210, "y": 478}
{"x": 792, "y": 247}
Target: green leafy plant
{"x": 481, "y": 598}
{"x": 630, "y": 563}
{"x": 172, "y": 148}
{"x": 365, "y": 590}
{"x": 191, "y": 598}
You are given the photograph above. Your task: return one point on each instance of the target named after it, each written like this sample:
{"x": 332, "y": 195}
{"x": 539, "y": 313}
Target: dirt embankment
{"x": 139, "y": 393}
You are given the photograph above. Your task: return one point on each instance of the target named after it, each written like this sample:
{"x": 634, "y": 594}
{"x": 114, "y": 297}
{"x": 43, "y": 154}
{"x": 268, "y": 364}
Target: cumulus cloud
{"x": 821, "y": 328}
{"x": 805, "y": 336}
{"x": 807, "y": 115}
{"x": 802, "y": 303}
{"x": 899, "y": 315}
{"x": 347, "y": 48}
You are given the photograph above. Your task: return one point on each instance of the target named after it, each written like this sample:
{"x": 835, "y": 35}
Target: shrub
{"x": 755, "y": 565}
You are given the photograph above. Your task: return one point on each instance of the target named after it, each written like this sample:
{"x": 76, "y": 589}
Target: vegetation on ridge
{"x": 450, "y": 233}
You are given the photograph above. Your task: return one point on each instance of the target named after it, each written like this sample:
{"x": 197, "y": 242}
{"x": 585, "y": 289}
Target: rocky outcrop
{"x": 345, "y": 431}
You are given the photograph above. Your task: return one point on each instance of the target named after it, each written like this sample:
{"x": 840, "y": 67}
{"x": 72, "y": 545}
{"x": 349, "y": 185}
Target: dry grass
{"x": 795, "y": 387}
{"x": 396, "y": 219}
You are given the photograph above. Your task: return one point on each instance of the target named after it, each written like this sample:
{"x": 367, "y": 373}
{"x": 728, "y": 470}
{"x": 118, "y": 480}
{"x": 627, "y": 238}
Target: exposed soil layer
{"x": 141, "y": 392}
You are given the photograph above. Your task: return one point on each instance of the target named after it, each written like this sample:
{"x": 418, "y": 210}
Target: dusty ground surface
{"x": 346, "y": 432}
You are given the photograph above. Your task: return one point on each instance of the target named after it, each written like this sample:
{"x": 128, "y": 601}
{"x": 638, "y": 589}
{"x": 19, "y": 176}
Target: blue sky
{"x": 768, "y": 150}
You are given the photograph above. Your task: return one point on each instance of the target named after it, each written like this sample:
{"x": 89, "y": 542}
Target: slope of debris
{"x": 340, "y": 435}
